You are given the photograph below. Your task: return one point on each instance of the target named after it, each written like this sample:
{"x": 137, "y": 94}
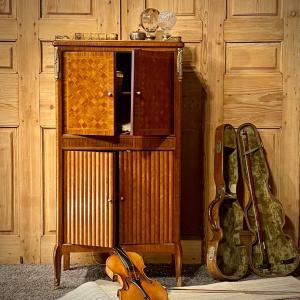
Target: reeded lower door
{"x": 88, "y": 198}
{"x": 88, "y": 93}
{"x": 152, "y": 92}
{"x": 146, "y": 197}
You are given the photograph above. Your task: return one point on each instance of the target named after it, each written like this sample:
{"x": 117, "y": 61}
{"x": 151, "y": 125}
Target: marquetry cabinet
{"x": 118, "y": 147}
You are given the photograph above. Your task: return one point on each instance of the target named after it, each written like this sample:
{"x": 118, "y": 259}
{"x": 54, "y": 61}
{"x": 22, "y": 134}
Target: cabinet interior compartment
{"x": 123, "y": 91}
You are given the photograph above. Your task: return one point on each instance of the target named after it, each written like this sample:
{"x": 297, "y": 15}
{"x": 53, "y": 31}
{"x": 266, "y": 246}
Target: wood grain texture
{"x": 253, "y": 98}
{"x": 153, "y": 100}
{"x": 147, "y": 197}
{"x": 47, "y": 100}
{"x": 214, "y": 105}
{"x": 254, "y": 30}
{"x": 253, "y": 58}
{"x": 88, "y": 78}
{"x": 47, "y": 57}
{"x": 8, "y": 9}
{"x": 8, "y": 190}
{"x": 8, "y": 58}
{"x": 89, "y": 195}
{"x": 9, "y": 99}
{"x": 237, "y": 8}
{"x": 290, "y": 148}
{"x": 49, "y": 181}
{"x": 74, "y": 8}
{"x": 8, "y": 30}
{"x": 30, "y": 187}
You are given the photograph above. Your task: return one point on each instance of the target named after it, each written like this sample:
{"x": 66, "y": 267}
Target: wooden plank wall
{"x": 240, "y": 64}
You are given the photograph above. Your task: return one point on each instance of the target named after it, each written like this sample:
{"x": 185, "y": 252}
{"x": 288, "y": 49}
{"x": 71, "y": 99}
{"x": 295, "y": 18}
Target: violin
{"x": 128, "y": 270}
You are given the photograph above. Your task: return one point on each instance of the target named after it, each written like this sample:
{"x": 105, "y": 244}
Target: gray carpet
{"x": 36, "y": 281}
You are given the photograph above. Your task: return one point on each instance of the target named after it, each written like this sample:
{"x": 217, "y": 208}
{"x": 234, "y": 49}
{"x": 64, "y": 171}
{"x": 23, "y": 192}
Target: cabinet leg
{"x": 57, "y": 254}
{"x": 66, "y": 261}
{"x": 178, "y": 264}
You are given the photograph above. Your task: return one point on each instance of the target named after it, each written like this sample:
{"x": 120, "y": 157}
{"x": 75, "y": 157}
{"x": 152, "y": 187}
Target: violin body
{"x": 271, "y": 251}
{"x": 227, "y": 257}
{"x": 129, "y": 272}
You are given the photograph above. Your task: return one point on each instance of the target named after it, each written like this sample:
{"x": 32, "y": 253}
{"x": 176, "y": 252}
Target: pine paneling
{"x": 8, "y": 61}
{"x": 253, "y": 98}
{"x": 253, "y": 8}
{"x": 9, "y": 99}
{"x": 74, "y": 8}
{"x": 8, "y": 9}
{"x": 254, "y": 30}
{"x": 8, "y": 178}
{"x": 47, "y": 100}
{"x": 290, "y": 142}
{"x": 49, "y": 182}
{"x": 253, "y": 57}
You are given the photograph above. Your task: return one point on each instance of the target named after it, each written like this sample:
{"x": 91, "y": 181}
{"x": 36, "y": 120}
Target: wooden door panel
{"x": 88, "y": 90}
{"x": 88, "y": 198}
{"x": 152, "y": 93}
{"x": 147, "y": 197}
{"x": 253, "y": 7}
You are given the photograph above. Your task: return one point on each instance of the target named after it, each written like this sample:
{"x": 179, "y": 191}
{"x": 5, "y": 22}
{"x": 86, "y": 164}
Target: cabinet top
{"x": 118, "y": 43}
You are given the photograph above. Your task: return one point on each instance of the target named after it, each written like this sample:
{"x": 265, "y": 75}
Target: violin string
{"x": 127, "y": 262}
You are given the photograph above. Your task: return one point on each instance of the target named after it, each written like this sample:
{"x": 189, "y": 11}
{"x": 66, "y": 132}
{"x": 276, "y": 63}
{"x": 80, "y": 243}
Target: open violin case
{"x": 247, "y": 229}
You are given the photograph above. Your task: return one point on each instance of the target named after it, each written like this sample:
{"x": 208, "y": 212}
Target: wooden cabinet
{"x": 118, "y": 147}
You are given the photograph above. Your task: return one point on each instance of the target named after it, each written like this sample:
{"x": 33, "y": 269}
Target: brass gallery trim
{"x": 179, "y": 63}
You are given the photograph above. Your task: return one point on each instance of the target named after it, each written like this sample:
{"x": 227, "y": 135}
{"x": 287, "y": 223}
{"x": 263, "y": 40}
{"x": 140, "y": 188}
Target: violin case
{"x": 271, "y": 251}
{"x": 227, "y": 257}
{"x": 246, "y": 231}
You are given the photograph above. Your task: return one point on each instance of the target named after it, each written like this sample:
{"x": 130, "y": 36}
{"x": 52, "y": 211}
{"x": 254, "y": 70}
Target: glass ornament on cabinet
{"x": 166, "y": 21}
{"x": 149, "y": 22}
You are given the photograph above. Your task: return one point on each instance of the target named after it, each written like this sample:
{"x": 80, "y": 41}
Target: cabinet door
{"x": 88, "y": 198}
{"x": 146, "y": 197}
{"x": 152, "y": 93}
{"x": 88, "y": 93}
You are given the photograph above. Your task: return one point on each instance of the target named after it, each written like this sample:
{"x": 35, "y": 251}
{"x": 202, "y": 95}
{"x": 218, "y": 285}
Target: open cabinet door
{"x": 88, "y": 93}
{"x": 152, "y": 92}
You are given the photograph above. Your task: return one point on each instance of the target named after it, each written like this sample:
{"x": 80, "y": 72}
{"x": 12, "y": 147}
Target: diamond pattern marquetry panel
{"x": 88, "y": 78}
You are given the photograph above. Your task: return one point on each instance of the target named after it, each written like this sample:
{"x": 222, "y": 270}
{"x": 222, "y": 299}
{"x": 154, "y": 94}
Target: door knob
{"x": 122, "y": 198}
{"x": 138, "y": 93}
{"x": 109, "y": 94}
{"x": 109, "y": 200}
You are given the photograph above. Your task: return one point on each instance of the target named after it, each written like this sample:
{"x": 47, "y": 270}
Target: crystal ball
{"x": 149, "y": 19}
